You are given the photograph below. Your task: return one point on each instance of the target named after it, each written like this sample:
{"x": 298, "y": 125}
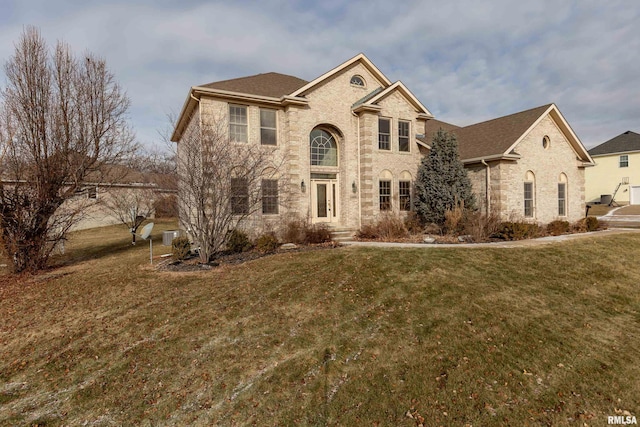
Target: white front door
{"x": 324, "y": 200}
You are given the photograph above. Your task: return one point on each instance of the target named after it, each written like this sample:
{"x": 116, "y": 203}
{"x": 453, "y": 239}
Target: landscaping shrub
{"x": 180, "y": 248}
{"x": 267, "y": 243}
{"x": 317, "y": 233}
{"x": 299, "y": 231}
{"x": 580, "y": 226}
{"x": 592, "y": 223}
{"x": 412, "y": 223}
{"x": 238, "y": 241}
{"x": 294, "y": 231}
{"x": 453, "y": 219}
{"x": 388, "y": 227}
{"x": 480, "y": 226}
{"x": 511, "y": 230}
{"x": 558, "y": 227}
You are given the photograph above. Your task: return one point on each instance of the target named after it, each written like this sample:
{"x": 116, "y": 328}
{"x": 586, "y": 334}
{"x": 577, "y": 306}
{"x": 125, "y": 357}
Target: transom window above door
{"x": 324, "y": 151}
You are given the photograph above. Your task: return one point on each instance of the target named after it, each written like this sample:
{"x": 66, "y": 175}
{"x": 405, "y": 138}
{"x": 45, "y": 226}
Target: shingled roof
{"x": 494, "y": 137}
{"x": 490, "y": 138}
{"x": 625, "y": 142}
{"x": 274, "y": 85}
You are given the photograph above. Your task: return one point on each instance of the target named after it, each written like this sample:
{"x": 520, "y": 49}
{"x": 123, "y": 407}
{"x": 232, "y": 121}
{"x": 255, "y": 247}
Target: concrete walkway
{"x": 625, "y": 216}
{"x": 510, "y": 244}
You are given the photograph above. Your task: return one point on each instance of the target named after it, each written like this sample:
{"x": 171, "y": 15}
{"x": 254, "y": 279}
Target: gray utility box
{"x": 168, "y": 236}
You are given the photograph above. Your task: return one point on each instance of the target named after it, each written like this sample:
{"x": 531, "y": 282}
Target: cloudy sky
{"x": 467, "y": 61}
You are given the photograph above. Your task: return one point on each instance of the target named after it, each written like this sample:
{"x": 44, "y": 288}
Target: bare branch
{"x": 63, "y": 121}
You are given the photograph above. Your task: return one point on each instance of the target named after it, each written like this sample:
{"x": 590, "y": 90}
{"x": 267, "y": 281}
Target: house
{"x": 528, "y": 165}
{"x": 352, "y": 141}
{"x": 100, "y": 200}
{"x": 617, "y": 170}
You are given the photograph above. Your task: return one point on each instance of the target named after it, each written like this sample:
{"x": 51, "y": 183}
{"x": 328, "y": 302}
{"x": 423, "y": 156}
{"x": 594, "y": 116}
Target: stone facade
{"x": 350, "y": 113}
{"x": 548, "y": 166}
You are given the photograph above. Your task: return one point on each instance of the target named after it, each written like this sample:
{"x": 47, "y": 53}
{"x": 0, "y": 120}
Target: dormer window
{"x": 357, "y": 81}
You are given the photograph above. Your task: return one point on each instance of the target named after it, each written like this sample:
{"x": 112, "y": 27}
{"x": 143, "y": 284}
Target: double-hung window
{"x": 562, "y": 199}
{"x": 239, "y": 196}
{"x": 269, "y": 196}
{"x": 404, "y": 191}
{"x": 528, "y": 199}
{"x": 384, "y": 134}
{"x": 268, "y": 130}
{"x": 237, "y": 123}
{"x": 624, "y": 161}
{"x": 385, "y": 195}
{"x": 403, "y": 135}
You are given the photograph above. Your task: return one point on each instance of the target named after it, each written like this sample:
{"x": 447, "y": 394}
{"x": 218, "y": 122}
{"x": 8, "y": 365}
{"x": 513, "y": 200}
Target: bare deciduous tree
{"x": 62, "y": 120}
{"x": 221, "y": 183}
{"x": 130, "y": 206}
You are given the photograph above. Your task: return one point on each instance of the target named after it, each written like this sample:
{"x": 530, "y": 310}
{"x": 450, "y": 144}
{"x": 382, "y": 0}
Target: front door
{"x": 324, "y": 200}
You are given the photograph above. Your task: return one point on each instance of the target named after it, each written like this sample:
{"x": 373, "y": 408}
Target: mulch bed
{"x": 194, "y": 264}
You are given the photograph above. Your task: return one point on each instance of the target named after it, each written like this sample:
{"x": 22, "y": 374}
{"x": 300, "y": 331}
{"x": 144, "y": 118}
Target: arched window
{"x": 529, "y": 194}
{"x": 324, "y": 150}
{"x": 357, "y": 81}
{"x": 562, "y": 195}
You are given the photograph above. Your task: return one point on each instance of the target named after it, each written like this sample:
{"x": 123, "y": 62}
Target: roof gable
{"x": 623, "y": 143}
{"x": 360, "y": 58}
{"x": 405, "y": 92}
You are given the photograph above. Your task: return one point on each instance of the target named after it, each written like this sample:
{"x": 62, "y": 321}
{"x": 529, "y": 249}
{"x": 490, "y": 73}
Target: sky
{"x": 466, "y": 61}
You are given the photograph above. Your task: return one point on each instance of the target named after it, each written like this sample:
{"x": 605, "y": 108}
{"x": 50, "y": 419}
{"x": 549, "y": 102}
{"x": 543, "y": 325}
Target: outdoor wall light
{"x": 302, "y": 186}
{"x": 354, "y": 187}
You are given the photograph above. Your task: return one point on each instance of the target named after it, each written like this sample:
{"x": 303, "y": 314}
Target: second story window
{"x": 403, "y": 136}
{"x": 268, "y": 130}
{"x": 624, "y": 161}
{"x": 384, "y": 134}
{"x": 237, "y": 123}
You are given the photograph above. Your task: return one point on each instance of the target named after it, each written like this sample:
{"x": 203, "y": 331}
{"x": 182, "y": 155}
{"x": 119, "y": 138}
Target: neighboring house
{"x": 617, "y": 170}
{"x": 118, "y": 187}
{"x": 528, "y": 165}
{"x": 353, "y": 141}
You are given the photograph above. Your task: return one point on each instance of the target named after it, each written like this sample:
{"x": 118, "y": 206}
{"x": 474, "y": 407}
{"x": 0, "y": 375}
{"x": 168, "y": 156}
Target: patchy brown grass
{"x": 526, "y": 336}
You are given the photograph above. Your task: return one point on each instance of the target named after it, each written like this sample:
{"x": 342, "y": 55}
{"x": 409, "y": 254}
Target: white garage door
{"x": 634, "y": 197}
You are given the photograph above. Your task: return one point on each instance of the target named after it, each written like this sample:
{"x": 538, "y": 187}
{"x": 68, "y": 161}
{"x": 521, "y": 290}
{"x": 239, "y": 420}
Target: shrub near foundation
{"x": 517, "y": 231}
{"x": 388, "y": 227}
{"x": 238, "y": 242}
{"x": 317, "y": 233}
{"x": 267, "y": 243}
{"x": 558, "y": 227}
{"x": 180, "y": 248}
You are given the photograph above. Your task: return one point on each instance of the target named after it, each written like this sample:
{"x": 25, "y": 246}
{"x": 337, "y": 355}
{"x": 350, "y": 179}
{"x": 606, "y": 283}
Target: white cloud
{"x": 466, "y": 60}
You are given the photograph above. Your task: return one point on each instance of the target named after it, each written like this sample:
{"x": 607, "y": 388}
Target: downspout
{"x": 487, "y": 185}
{"x": 359, "y": 177}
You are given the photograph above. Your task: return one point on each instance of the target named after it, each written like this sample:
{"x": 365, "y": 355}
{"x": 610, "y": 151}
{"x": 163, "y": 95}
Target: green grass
{"x": 546, "y": 335}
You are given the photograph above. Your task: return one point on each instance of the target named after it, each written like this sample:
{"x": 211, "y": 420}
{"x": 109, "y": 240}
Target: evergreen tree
{"x": 442, "y": 181}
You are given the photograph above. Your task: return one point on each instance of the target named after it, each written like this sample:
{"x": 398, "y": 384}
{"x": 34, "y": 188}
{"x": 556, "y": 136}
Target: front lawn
{"x": 546, "y": 335}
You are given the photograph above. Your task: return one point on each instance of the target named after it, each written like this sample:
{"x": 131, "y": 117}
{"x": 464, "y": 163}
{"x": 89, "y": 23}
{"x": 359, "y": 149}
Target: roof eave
{"x": 424, "y": 144}
{"x": 615, "y": 153}
{"x": 367, "y": 108}
{"x": 492, "y": 157}
{"x": 188, "y": 106}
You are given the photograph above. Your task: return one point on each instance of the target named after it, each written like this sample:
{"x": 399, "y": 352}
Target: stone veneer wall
{"x": 508, "y": 177}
